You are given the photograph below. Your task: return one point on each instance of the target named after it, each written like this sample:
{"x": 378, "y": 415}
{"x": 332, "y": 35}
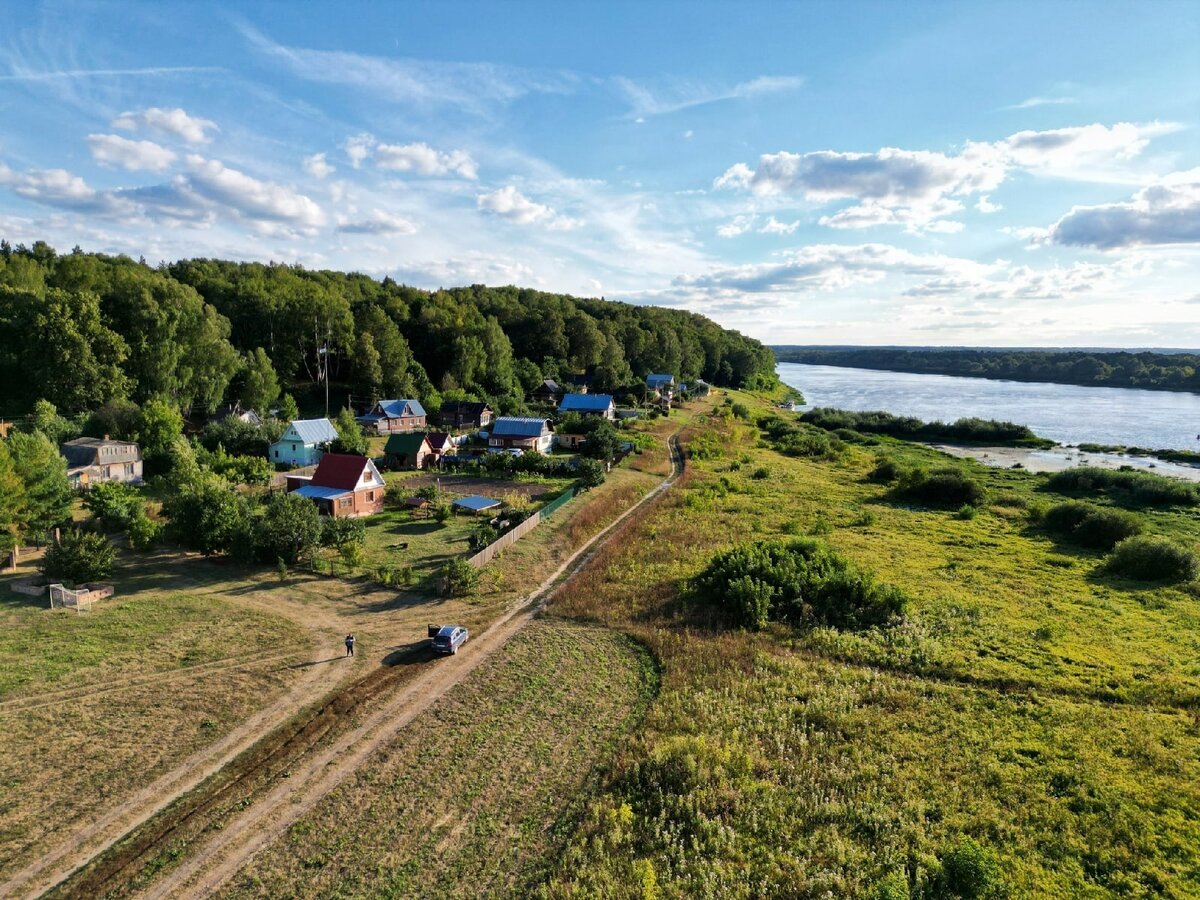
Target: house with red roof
{"x": 344, "y": 486}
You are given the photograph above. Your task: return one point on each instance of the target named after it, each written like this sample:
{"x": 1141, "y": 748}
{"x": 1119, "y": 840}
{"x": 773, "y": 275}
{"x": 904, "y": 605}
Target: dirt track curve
{"x": 310, "y": 773}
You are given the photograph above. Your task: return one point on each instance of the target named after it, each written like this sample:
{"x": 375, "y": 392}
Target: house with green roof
{"x": 410, "y": 450}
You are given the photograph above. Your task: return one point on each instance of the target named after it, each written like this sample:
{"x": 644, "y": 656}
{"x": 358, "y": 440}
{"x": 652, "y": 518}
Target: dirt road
{"x": 219, "y": 856}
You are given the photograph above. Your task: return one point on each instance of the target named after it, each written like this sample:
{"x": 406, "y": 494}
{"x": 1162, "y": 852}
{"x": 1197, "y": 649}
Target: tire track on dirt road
{"x": 310, "y": 776}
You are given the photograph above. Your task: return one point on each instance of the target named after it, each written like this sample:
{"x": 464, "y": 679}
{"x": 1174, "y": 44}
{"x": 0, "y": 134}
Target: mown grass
{"x": 1031, "y": 700}
{"x": 465, "y": 801}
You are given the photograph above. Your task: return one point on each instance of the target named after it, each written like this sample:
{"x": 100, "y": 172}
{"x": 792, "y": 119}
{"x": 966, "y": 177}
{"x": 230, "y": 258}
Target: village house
{"x": 408, "y": 451}
{"x": 94, "y": 460}
{"x": 235, "y": 411}
{"x": 579, "y": 383}
{"x": 513, "y": 433}
{"x": 303, "y": 443}
{"x": 441, "y": 443}
{"x": 570, "y": 440}
{"x": 391, "y": 416}
{"x": 344, "y": 486}
{"x": 547, "y": 392}
{"x": 662, "y": 385}
{"x": 465, "y": 414}
{"x": 589, "y": 405}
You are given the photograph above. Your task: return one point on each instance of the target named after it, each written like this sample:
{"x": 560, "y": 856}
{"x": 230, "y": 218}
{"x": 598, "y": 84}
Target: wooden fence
{"x": 509, "y": 538}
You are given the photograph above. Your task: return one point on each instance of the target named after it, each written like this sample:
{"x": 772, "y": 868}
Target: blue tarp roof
{"x": 313, "y": 492}
{"x": 585, "y": 403}
{"x": 513, "y": 426}
{"x": 475, "y": 503}
{"x": 315, "y": 431}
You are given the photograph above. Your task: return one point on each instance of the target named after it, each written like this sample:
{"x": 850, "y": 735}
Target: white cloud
{"x": 689, "y": 134}
{"x": 1164, "y": 213}
{"x": 358, "y": 148}
{"x": 251, "y": 198}
{"x": 133, "y": 156}
{"x": 916, "y": 189}
{"x": 425, "y": 160}
{"x": 1031, "y": 102}
{"x": 738, "y": 225}
{"x": 317, "y": 166}
{"x": 377, "y": 222}
{"x": 511, "y": 204}
{"x": 986, "y": 206}
{"x": 171, "y": 122}
{"x": 60, "y": 189}
{"x": 673, "y": 95}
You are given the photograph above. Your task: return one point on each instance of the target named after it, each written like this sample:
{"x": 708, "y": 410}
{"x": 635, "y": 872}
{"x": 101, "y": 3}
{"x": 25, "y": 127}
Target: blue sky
{"x": 999, "y": 173}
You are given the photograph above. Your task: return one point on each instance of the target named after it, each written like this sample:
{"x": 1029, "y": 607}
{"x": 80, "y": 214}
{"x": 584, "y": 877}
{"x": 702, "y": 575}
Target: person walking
{"x": 349, "y": 645}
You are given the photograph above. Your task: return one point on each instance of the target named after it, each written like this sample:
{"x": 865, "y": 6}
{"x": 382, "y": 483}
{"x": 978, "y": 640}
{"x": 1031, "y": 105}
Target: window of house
{"x": 366, "y": 475}
{"x": 344, "y": 503}
{"x": 370, "y": 496}
{"x": 277, "y": 454}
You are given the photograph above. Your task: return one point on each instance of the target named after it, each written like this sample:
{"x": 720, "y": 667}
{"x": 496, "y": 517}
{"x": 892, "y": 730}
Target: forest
{"x": 1152, "y": 370}
{"x": 85, "y": 330}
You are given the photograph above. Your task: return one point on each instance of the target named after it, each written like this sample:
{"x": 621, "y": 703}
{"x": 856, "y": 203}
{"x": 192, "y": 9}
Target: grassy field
{"x": 1031, "y": 702}
{"x": 465, "y": 801}
{"x": 94, "y": 706}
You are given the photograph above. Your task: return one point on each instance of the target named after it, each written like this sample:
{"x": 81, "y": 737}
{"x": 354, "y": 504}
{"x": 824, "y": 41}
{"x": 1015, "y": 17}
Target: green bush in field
{"x": 1128, "y": 488}
{"x": 968, "y": 872}
{"x": 946, "y": 486}
{"x": 343, "y": 533}
{"x": 79, "y": 557}
{"x": 113, "y": 503}
{"x": 1148, "y": 558}
{"x": 141, "y": 530}
{"x": 886, "y": 470}
{"x": 459, "y": 578}
{"x": 1091, "y": 526}
{"x": 801, "y": 583}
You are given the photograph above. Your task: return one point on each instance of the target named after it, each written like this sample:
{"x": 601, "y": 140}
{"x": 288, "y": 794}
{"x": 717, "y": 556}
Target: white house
{"x": 304, "y": 442}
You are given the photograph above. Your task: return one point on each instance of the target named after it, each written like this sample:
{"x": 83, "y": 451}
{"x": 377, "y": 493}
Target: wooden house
{"x": 408, "y": 451}
{"x": 456, "y": 414}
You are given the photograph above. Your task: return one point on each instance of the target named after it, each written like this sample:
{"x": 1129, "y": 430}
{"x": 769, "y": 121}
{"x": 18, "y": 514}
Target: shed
{"x": 407, "y": 451}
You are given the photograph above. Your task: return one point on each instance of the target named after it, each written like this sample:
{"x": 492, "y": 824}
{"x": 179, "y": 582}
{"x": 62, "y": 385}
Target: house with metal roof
{"x": 411, "y": 450}
{"x": 94, "y": 460}
{"x": 475, "y": 504}
{"x": 389, "y": 416}
{"x": 303, "y": 443}
{"x": 516, "y": 433}
{"x": 547, "y": 392}
{"x": 344, "y": 486}
{"x": 589, "y": 405}
{"x": 659, "y": 382}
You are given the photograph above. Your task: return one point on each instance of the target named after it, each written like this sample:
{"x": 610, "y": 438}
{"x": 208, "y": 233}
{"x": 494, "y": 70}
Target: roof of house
{"x": 340, "y": 470}
{"x": 656, "y": 380}
{"x": 405, "y": 444}
{"x": 464, "y": 408}
{"x": 550, "y": 385}
{"x": 317, "y": 492}
{"x": 586, "y": 403}
{"x": 235, "y": 411}
{"x": 514, "y": 426}
{"x": 396, "y": 409}
{"x": 476, "y": 503}
{"x": 440, "y": 440}
{"x": 85, "y": 450}
{"x": 314, "y": 431}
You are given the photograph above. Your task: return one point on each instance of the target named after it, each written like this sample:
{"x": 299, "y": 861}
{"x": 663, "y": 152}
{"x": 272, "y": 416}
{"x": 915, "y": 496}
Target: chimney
{"x": 107, "y": 437}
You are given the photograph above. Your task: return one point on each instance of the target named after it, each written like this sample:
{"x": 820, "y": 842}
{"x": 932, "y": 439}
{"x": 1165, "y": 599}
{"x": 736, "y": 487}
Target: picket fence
{"x": 509, "y": 538}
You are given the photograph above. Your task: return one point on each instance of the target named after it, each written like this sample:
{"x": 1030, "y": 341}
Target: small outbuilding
{"x": 408, "y": 451}
{"x": 475, "y": 504}
{"x": 547, "y": 392}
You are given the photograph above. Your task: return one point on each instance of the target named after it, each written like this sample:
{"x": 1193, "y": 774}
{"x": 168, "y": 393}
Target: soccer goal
{"x": 65, "y": 598}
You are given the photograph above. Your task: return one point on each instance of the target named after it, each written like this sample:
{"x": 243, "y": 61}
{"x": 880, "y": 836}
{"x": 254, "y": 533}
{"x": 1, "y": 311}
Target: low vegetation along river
{"x": 1065, "y": 413}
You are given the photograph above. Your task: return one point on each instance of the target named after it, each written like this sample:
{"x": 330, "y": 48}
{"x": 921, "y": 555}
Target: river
{"x": 1065, "y": 413}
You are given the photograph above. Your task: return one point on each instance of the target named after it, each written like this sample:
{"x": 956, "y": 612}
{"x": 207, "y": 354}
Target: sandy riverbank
{"x": 1066, "y": 457}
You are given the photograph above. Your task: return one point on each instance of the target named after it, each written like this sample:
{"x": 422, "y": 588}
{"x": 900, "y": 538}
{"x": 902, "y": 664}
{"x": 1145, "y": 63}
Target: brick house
{"x": 344, "y": 486}
{"x": 390, "y": 416}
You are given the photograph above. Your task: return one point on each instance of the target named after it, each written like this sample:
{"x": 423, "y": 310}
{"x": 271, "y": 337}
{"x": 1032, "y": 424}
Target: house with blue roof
{"x": 303, "y": 443}
{"x": 660, "y": 383}
{"x": 516, "y": 433}
{"x": 391, "y": 416}
{"x": 589, "y": 405}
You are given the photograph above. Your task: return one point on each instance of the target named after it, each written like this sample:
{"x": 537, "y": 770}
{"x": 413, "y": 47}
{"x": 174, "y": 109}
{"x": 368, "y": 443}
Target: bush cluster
{"x": 966, "y": 431}
{"x": 793, "y": 438}
{"x": 800, "y": 582}
{"x": 944, "y": 486}
{"x": 1148, "y": 558}
{"x": 1091, "y": 526}
{"x": 79, "y": 557}
{"x": 1125, "y": 486}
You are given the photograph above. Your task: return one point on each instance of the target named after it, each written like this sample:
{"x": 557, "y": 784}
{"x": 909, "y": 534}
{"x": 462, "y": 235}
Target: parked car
{"x": 447, "y": 638}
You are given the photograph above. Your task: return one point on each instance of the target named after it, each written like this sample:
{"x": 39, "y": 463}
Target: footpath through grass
{"x": 466, "y": 800}
{"x": 1031, "y": 703}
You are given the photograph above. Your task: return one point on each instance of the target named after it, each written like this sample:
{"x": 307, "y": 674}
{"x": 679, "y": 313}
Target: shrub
{"x": 590, "y": 473}
{"x": 946, "y": 486}
{"x": 1148, "y": 558}
{"x": 343, "y": 533}
{"x": 141, "y": 530}
{"x": 1091, "y": 526}
{"x": 967, "y": 512}
{"x": 1126, "y": 487}
{"x": 760, "y": 473}
{"x": 741, "y": 411}
{"x": 113, "y": 503}
{"x": 482, "y": 535}
{"x": 799, "y": 582}
{"x": 968, "y": 871}
{"x": 289, "y": 529}
{"x": 974, "y": 431}
{"x": 79, "y": 557}
{"x": 886, "y": 470}
{"x": 204, "y": 513}
{"x": 459, "y": 578}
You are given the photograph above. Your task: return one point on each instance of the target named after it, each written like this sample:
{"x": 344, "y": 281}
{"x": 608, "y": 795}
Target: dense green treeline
{"x": 82, "y": 329}
{"x": 1144, "y": 369}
